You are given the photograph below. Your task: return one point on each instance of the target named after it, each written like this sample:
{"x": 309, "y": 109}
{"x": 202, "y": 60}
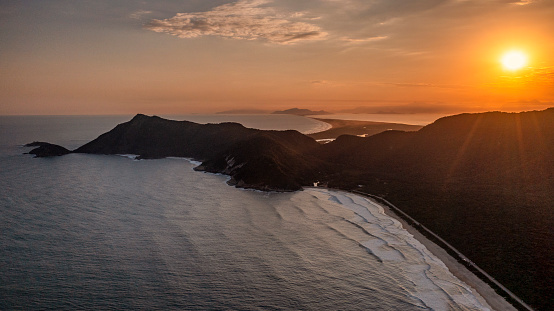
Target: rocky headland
{"x": 484, "y": 182}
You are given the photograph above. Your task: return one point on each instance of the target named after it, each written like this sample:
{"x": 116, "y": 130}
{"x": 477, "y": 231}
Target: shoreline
{"x": 339, "y": 127}
{"x": 484, "y": 293}
{"x": 482, "y": 290}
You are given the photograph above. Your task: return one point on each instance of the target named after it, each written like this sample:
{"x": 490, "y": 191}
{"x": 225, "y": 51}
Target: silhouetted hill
{"x": 301, "y": 112}
{"x": 267, "y": 160}
{"x": 492, "y": 148}
{"x": 484, "y": 182}
{"x": 44, "y": 149}
{"x": 279, "y": 159}
{"x": 154, "y": 137}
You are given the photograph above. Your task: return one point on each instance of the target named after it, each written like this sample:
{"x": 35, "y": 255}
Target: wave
{"x": 384, "y": 238}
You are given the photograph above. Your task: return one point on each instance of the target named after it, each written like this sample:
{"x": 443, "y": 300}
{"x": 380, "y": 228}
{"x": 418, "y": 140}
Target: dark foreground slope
{"x": 484, "y": 182}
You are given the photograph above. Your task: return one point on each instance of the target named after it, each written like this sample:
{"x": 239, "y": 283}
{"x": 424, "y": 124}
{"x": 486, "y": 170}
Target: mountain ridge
{"x": 484, "y": 181}
{"x": 301, "y": 112}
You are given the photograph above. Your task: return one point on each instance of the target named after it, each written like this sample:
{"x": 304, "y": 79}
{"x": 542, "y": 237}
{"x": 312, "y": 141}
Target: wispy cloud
{"x": 533, "y": 102}
{"x": 544, "y": 75}
{"x": 425, "y": 85}
{"x": 319, "y": 82}
{"x": 244, "y": 19}
{"x": 536, "y": 77}
{"x": 363, "y": 40}
{"x": 523, "y": 2}
{"x": 139, "y": 14}
{"x": 407, "y": 108}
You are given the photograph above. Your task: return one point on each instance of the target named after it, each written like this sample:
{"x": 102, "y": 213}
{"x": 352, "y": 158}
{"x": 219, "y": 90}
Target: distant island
{"x": 292, "y": 111}
{"x": 301, "y": 112}
{"x": 483, "y": 181}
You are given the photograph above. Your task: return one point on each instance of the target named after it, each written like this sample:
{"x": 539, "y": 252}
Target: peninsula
{"x": 483, "y": 182}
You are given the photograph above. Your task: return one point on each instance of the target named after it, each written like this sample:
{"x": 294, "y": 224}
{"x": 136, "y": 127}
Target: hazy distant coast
{"x": 358, "y": 128}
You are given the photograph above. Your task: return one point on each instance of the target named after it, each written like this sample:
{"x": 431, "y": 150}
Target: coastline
{"x": 482, "y": 290}
{"x": 484, "y": 293}
{"x": 358, "y": 128}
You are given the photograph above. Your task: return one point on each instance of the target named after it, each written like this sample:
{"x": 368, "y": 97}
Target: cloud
{"x": 410, "y": 108}
{"x": 325, "y": 83}
{"x": 244, "y": 19}
{"x": 425, "y": 85}
{"x": 543, "y": 76}
{"x": 533, "y": 102}
{"x": 139, "y": 14}
{"x": 363, "y": 40}
{"x": 531, "y": 76}
{"x": 523, "y": 2}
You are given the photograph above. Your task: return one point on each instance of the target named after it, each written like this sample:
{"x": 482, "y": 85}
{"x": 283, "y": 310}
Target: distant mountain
{"x": 244, "y": 111}
{"x": 301, "y": 112}
{"x": 484, "y": 182}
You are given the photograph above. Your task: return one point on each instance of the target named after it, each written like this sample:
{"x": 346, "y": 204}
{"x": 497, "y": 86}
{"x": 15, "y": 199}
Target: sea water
{"x": 403, "y": 118}
{"x": 112, "y": 233}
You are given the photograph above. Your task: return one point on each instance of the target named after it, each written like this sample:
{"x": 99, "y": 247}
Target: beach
{"x": 144, "y": 236}
{"x": 482, "y": 290}
{"x": 358, "y": 128}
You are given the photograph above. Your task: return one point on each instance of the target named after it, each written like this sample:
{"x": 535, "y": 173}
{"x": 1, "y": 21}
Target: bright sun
{"x": 513, "y": 60}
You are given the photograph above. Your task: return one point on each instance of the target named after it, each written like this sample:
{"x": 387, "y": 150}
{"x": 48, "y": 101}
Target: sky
{"x": 65, "y": 57}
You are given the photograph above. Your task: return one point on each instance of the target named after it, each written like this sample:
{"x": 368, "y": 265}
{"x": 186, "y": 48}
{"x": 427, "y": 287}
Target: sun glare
{"x": 513, "y": 60}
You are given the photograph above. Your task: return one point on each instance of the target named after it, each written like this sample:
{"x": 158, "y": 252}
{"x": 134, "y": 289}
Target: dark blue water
{"x": 108, "y": 232}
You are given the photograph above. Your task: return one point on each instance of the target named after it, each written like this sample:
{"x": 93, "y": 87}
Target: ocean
{"x": 100, "y": 232}
{"x": 403, "y": 118}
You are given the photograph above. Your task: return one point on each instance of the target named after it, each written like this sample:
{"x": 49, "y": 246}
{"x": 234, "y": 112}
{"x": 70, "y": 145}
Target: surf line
{"x": 461, "y": 258}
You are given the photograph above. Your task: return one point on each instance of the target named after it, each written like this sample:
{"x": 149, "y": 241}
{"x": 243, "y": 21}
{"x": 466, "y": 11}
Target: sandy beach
{"x": 359, "y": 128}
{"x": 483, "y": 291}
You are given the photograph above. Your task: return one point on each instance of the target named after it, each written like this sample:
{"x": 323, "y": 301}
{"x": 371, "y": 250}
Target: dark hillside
{"x": 265, "y": 160}
{"x": 269, "y": 161}
{"x": 154, "y": 137}
{"x": 484, "y": 182}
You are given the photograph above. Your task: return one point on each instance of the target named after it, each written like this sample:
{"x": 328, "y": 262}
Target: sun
{"x": 514, "y": 60}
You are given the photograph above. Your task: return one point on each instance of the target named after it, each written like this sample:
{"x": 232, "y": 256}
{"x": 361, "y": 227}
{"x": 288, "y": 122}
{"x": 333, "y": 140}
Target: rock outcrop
{"x": 46, "y": 150}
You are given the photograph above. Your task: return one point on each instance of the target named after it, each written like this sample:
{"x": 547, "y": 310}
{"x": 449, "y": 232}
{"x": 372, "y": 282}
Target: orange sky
{"x": 176, "y": 57}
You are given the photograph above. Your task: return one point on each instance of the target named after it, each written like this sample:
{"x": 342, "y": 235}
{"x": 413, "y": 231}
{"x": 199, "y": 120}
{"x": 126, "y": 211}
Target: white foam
{"x": 130, "y": 156}
{"x": 434, "y": 285}
{"x": 325, "y": 140}
{"x": 190, "y": 160}
{"x": 320, "y": 126}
